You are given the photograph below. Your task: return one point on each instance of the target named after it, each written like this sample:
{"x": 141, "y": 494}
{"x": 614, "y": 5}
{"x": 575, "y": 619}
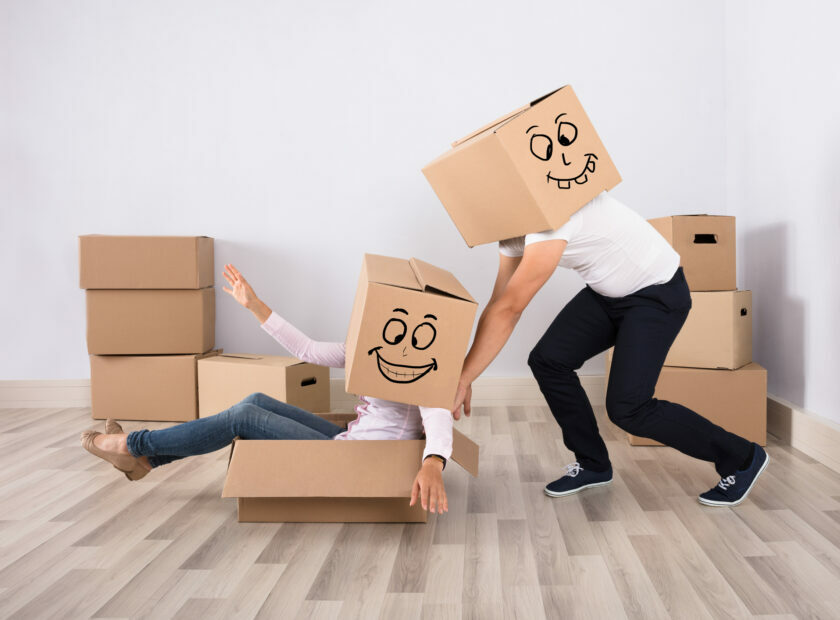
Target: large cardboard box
{"x": 332, "y": 481}
{"x": 717, "y": 332}
{"x": 149, "y": 322}
{"x": 408, "y": 333}
{"x": 224, "y": 380}
{"x": 706, "y": 245}
{"x": 144, "y": 387}
{"x": 733, "y": 399}
{"x": 119, "y": 261}
{"x": 525, "y": 172}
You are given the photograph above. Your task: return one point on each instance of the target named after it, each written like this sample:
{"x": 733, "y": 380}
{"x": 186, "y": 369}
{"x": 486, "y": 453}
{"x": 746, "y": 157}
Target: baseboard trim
{"x": 39, "y": 393}
{"x": 814, "y": 435}
{"x": 487, "y": 392}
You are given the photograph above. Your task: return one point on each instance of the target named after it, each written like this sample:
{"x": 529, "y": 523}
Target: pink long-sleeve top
{"x": 375, "y": 418}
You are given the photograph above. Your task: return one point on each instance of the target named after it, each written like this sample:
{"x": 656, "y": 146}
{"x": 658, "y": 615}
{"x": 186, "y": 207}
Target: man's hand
{"x": 428, "y": 486}
{"x": 462, "y": 398}
{"x": 242, "y": 292}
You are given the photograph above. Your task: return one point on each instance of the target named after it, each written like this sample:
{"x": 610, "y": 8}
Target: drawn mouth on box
{"x": 580, "y": 179}
{"x": 401, "y": 373}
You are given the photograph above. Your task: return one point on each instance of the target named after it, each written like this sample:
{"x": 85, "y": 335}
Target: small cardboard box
{"x": 717, "y": 332}
{"x": 733, "y": 399}
{"x": 523, "y": 173}
{"x": 144, "y": 387}
{"x": 116, "y": 261}
{"x": 224, "y": 380}
{"x": 706, "y": 245}
{"x": 408, "y": 334}
{"x": 339, "y": 481}
{"x": 150, "y": 322}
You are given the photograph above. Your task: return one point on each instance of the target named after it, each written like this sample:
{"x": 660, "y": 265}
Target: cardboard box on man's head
{"x": 526, "y": 172}
{"x": 409, "y": 332}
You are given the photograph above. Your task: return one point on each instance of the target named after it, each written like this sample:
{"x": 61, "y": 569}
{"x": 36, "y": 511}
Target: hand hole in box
{"x": 705, "y": 238}
{"x": 743, "y": 312}
{"x": 309, "y": 381}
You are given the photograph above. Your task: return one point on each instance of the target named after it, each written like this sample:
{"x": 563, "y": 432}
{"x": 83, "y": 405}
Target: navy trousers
{"x": 642, "y": 327}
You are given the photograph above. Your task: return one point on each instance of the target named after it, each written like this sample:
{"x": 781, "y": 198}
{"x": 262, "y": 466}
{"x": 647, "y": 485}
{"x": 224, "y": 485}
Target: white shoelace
{"x": 573, "y": 469}
{"x": 727, "y": 482}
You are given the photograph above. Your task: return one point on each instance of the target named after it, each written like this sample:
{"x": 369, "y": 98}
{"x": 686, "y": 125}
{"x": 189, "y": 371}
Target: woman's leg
{"x": 647, "y": 328}
{"x": 301, "y": 416}
{"x": 243, "y": 420}
{"x": 581, "y": 330}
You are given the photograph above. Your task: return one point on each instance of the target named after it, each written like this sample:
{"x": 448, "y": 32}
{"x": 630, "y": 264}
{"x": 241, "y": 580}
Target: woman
{"x": 636, "y": 299}
{"x": 261, "y": 417}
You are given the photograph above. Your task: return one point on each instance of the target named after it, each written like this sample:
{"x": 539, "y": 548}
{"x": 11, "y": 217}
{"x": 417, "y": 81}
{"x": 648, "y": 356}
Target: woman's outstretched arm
{"x": 330, "y": 354}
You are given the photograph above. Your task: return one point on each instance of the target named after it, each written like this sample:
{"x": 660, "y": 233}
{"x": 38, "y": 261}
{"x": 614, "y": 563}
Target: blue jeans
{"x": 255, "y": 417}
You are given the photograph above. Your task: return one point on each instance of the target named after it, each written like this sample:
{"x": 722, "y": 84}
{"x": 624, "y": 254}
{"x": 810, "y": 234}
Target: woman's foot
{"x": 112, "y": 448}
{"x": 112, "y": 427}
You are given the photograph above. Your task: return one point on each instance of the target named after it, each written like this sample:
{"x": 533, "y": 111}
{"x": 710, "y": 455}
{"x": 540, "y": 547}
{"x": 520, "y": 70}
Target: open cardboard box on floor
{"x": 332, "y": 481}
{"x": 408, "y": 333}
{"x": 717, "y": 332}
{"x": 144, "y": 387}
{"x": 150, "y": 322}
{"x": 225, "y": 379}
{"x": 120, "y": 261}
{"x": 733, "y": 399}
{"x": 706, "y": 245}
{"x": 524, "y": 173}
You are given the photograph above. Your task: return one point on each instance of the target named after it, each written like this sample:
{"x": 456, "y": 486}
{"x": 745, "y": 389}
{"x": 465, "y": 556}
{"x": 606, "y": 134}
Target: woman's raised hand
{"x": 242, "y": 292}
{"x": 239, "y": 289}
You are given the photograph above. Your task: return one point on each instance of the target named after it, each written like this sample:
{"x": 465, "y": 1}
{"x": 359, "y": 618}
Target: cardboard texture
{"x": 145, "y": 387}
{"x": 524, "y": 173}
{"x": 717, "y": 332}
{"x": 408, "y": 333}
{"x": 224, "y": 380}
{"x": 733, "y": 399}
{"x": 706, "y": 245}
{"x": 132, "y": 262}
{"x": 332, "y": 481}
{"x": 140, "y": 322}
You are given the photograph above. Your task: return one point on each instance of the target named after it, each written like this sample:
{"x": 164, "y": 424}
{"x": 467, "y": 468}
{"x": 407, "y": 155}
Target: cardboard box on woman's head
{"x": 526, "y": 172}
{"x": 409, "y": 332}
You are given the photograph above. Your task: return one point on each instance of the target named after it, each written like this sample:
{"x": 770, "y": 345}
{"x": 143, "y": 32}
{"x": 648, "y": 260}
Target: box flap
{"x": 271, "y": 468}
{"x": 465, "y": 452}
{"x": 392, "y": 271}
{"x": 437, "y": 279}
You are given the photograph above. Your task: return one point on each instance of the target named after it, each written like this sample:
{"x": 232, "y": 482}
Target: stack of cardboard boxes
{"x": 709, "y": 368}
{"x": 150, "y": 316}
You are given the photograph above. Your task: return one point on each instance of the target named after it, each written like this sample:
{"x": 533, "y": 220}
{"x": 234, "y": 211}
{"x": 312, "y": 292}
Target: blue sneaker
{"x": 577, "y": 479}
{"x": 733, "y": 490}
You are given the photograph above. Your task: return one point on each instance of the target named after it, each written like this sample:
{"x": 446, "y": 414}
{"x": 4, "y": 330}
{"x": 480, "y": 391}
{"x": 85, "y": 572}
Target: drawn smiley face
{"x": 394, "y": 333}
{"x": 573, "y": 165}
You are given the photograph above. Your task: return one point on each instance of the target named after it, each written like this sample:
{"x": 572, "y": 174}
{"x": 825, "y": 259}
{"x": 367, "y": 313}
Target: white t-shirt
{"x": 612, "y": 247}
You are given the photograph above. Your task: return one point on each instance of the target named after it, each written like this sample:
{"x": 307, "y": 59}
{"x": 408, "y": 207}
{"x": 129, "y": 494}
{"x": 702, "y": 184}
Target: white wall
{"x": 294, "y": 134}
{"x": 783, "y": 184}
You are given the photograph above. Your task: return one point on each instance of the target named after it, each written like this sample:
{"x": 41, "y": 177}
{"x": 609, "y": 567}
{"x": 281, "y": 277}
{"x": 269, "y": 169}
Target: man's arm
{"x": 509, "y": 300}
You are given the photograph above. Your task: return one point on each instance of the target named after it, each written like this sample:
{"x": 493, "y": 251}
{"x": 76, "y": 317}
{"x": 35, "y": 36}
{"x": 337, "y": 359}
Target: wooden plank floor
{"x": 77, "y": 540}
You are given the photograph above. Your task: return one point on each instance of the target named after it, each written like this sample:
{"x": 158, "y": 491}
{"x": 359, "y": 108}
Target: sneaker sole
{"x": 711, "y": 502}
{"x": 573, "y": 491}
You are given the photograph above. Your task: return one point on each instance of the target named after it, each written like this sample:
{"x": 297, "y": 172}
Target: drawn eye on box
{"x": 393, "y": 357}
{"x": 566, "y": 163}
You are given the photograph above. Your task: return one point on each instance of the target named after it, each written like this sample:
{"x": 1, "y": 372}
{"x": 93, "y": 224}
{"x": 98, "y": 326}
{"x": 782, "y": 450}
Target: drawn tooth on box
{"x": 394, "y": 333}
{"x": 573, "y": 165}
